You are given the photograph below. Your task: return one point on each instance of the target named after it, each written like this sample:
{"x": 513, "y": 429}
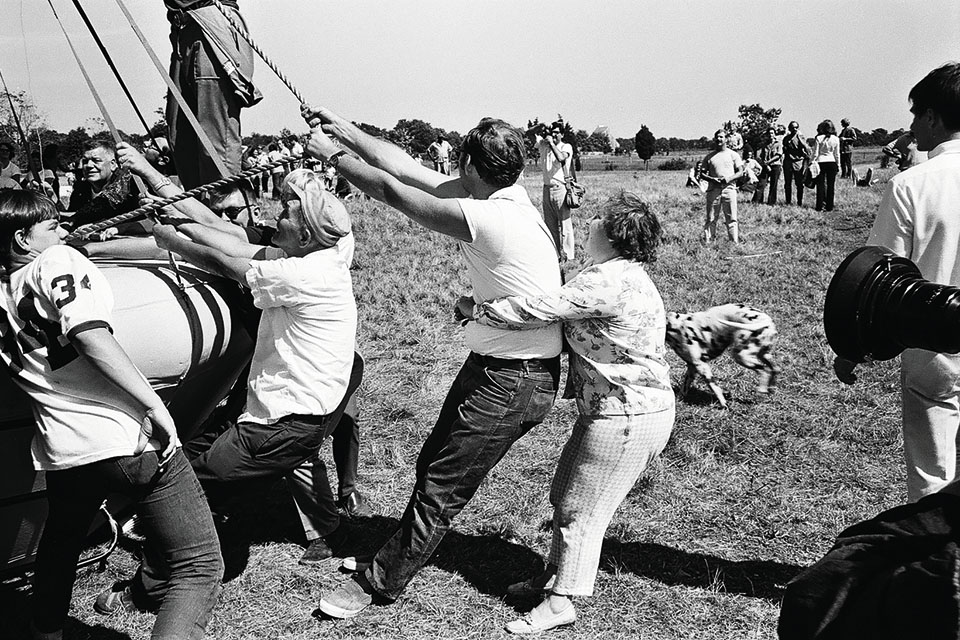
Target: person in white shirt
{"x": 509, "y": 381}
{"x": 101, "y": 430}
{"x": 556, "y": 158}
{"x": 917, "y": 219}
{"x": 303, "y": 368}
{"x": 8, "y": 168}
{"x": 826, "y": 153}
{"x": 439, "y": 152}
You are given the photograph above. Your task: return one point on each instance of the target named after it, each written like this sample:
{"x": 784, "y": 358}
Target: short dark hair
{"x": 633, "y": 229}
{"x": 939, "y": 91}
{"x": 6, "y": 144}
{"x": 21, "y": 209}
{"x": 826, "y": 128}
{"x": 100, "y": 143}
{"x": 496, "y": 151}
{"x": 218, "y": 194}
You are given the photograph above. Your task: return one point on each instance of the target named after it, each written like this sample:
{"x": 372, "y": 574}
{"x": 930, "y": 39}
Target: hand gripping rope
{"x": 89, "y": 229}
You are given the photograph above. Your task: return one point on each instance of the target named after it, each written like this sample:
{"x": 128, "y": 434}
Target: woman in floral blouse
{"x": 615, "y": 323}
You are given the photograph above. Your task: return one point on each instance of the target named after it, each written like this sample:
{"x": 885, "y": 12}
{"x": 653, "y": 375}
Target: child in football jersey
{"x": 101, "y": 429}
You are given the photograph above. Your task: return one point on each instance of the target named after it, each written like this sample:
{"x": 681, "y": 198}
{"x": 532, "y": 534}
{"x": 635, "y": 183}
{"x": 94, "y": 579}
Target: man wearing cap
{"x": 303, "y": 367}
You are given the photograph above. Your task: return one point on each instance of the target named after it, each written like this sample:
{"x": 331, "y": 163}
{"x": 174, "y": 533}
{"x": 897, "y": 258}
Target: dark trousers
{"x": 182, "y": 568}
{"x": 211, "y": 96}
{"x": 346, "y": 449}
{"x": 491, "y": 404}
{"x": 826, "y": 185}
{"x": 846, "y": 164}
{"x": 248, "y": 455}
{"x": 773, "y": 179}
{"x": 792, "y": 178}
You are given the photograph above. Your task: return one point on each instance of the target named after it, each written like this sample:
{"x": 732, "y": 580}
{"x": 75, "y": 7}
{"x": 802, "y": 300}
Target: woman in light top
{"x": 615, "y": 324}
{"x": 826, "y": 153}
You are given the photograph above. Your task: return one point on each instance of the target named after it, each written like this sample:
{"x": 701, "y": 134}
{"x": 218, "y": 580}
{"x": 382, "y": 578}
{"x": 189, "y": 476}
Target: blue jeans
{"x": 492, "y": 403}
{"x": 181, "y": 572}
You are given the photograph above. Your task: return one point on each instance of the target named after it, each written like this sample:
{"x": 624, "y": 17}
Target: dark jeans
{"x": 773, "y": 178}
{"x": 826, "y": 184}
{"x": 491, "y": 404}
{"x": 792, "y": 178}
{"x": 346, "y": 449}
{"x": 182, "y": 568}
{"x": 248, "y": 455}
{"x": 846, "y": 164}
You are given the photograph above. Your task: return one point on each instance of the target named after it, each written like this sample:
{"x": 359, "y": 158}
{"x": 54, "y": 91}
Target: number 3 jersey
{"x": 81, "y": 416}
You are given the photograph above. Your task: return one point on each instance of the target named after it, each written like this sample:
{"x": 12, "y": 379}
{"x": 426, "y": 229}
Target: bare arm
{"x": 126, "y": 248}
{"x": 208, "y": 258}
{"x": 226, "y": 243}
{"x": 442, "y": 214}
{"x": 383, "y": 155}
{"x": 107, "y": 356}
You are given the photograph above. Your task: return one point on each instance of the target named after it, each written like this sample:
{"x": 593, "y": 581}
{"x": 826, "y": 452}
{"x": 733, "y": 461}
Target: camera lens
{"x": 878, "y": 304}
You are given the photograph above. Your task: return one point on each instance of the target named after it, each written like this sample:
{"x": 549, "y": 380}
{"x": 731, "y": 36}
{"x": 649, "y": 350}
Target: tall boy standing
{"x": 721, "y": 168}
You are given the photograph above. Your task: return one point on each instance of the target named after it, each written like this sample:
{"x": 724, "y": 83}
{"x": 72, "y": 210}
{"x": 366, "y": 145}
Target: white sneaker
{"x": 541, "y": 618}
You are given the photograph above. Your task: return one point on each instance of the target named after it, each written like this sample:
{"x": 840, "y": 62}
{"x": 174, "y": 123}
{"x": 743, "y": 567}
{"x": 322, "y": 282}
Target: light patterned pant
{"x": 721, "y": 202}
{"x": 599, "y": 465}
{"x": 931, "y": 417}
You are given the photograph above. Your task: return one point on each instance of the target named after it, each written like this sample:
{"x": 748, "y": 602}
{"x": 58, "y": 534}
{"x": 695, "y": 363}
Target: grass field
{"x": 741, "y": 500}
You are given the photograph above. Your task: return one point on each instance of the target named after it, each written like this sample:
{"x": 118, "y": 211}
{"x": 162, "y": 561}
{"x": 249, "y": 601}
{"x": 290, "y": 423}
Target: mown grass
{"x": 739, "y": 502}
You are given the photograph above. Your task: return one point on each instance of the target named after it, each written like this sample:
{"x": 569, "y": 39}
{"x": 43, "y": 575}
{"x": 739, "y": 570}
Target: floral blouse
{"x": 615, "y": 324}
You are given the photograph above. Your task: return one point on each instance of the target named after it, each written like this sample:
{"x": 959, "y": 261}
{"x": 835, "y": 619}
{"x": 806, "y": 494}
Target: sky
{"x": 680, "y": 67}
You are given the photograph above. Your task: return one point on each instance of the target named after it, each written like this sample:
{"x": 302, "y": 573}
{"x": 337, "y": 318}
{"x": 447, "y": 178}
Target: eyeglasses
{"x": 233, "y": 212}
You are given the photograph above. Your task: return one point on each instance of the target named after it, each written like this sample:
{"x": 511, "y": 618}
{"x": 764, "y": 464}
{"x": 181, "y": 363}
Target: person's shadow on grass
{"x": 757, "y": 578}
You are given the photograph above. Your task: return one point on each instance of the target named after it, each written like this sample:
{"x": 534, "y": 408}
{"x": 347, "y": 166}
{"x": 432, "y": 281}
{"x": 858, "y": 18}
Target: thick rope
{"x": 89, "y": 229}
{"x": 241, "y": 30}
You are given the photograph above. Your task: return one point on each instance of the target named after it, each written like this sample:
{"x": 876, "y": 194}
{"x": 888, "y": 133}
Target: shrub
{"x": 674, "y": 164}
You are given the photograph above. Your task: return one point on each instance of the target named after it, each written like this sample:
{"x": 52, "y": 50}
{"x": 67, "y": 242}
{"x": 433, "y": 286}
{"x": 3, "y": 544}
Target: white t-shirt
{"x": 306, "y": 338}
{"x": 917, "y": 217}
{"x": 81, "y": 417}
{"x": 512, "y": 254}
{"x": 11, "y": 171}
{"x": 553, "y": 170}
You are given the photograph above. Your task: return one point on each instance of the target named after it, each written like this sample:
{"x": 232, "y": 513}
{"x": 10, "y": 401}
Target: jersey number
{"x": 38, "y": 332}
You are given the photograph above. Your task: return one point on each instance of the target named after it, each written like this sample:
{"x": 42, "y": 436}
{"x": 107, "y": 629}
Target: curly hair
{"x": 634, "y": 230}
{"x": 497, "y": 151}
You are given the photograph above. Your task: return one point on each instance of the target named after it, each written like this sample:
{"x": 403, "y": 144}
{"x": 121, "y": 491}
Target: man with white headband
{"x": 303, "y": 368}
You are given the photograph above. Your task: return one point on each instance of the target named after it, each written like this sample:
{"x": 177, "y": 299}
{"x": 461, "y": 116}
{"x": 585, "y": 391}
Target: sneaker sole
{"x": 334, "y": 611}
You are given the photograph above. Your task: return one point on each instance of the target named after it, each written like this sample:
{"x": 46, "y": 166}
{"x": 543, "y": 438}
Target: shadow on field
{"x": 756, "y": 578}
{"x": 15, "y": 613}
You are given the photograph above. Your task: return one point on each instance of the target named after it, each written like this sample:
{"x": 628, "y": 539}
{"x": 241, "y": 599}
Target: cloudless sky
{"x": 681, "y": 67}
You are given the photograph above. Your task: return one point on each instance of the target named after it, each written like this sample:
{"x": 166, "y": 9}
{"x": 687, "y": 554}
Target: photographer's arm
{"x": 383, "y": 155}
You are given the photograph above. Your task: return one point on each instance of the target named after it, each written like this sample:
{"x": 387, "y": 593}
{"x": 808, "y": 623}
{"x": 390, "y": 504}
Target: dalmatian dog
{"x": 699, "y": 337}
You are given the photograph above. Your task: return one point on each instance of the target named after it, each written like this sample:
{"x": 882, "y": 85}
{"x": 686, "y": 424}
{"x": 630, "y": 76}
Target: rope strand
{"x": 242, "y": 32}
{"x": 89, "y": 229}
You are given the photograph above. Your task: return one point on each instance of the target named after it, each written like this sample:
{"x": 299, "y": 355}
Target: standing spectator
{"x": 9, "y": 168}
{"x": 295, "y": 151}
{"x": 101, "y": 430}
{"x": 439, "y": 152}
{"x": 213, "y": 69}
{"x": 796, "y": 154}
{"x": 263, "y": 159}
{"x": 904, "y": 150}
{"x": 917, "y": 219}
{"x": 508, "y": 382}
{"x": 721, "y": 168}
{"x": 276, "y": 174}
{"x": 826, "y": 152}
{"x": 771, "y": 157}
{"x": 848, "y": 138}
{"x": 556, "y": 158}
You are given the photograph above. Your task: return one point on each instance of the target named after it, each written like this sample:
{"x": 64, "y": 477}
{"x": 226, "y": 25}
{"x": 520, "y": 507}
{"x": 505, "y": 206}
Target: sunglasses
{"x": 233, "y": 212}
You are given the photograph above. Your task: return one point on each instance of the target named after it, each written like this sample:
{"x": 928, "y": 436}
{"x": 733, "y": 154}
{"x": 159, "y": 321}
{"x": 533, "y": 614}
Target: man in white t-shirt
{"x": 508, "y": 382}
{"x": 721, "y": 168}
{"x": 303, "y": 368}
{"x": 917, "y": 219}
{"x": 439, "y": 152}
{"x": 101, "y": 429}
{"x": 8, "y": 168}
{"x": 556, "y": 158}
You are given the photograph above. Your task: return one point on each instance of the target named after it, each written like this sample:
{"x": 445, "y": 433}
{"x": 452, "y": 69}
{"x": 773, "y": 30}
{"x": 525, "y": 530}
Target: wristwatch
{"x": 334, "y": 160}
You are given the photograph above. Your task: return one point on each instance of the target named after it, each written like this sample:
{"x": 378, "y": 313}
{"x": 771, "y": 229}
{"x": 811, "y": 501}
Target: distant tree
{"x": 415, "y": 135}
{"x": 597, "y": 142}
{"x": 646, "y": 144}
{"x": 753, "y": 122}
{"x": 626, "y": 146}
